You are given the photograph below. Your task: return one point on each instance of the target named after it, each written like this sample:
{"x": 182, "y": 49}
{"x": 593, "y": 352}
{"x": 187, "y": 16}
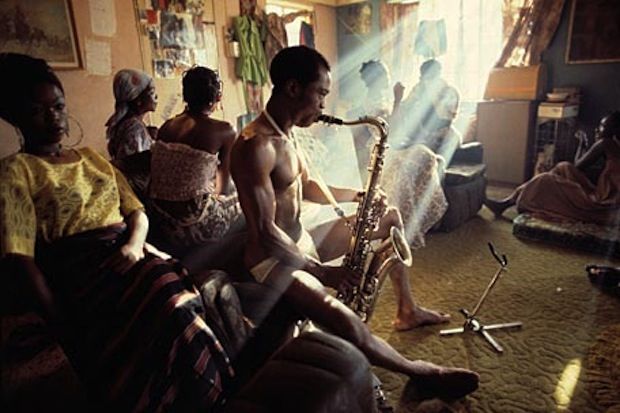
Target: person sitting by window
{"x": 192, "y": 197}
{"x": 426, "y": 115}
{"x": 135, "y": 96}
{"x": 566, "y": 194}
{"x": 412, "y": 174}
{"x": 72, "y": 248}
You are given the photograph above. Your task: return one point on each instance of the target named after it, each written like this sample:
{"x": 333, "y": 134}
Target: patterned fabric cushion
{"x": 578, "y": 235}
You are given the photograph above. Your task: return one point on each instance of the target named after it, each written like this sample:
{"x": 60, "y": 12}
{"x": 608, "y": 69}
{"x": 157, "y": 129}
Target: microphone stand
{"x": 472, "y": 323}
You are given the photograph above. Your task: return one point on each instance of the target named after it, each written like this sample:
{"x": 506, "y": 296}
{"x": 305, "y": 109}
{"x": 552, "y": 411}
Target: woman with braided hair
{"x": 192, "y": 197}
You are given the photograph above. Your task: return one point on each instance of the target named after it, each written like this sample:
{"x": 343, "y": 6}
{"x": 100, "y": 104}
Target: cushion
{"x": 464, "y": 200}
{"x": 578, "y": 235}
{"x": 471, "y": 152}
{"x": 315, "y": 372}
{"x": 460, "y": 173}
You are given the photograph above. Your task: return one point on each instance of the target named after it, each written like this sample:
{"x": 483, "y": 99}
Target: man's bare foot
{"x": 443, "y": 382}
{"x": 419, "y": 317}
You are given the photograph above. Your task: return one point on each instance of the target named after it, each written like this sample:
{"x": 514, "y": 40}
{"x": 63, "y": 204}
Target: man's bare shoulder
{"x": 256, "y": 136}
{"x": 255, "y": 147}
{"x": 257, "y": 129}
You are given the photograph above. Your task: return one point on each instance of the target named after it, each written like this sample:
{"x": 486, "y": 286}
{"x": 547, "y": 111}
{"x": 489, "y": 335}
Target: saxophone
{"x": 371, "y": 265}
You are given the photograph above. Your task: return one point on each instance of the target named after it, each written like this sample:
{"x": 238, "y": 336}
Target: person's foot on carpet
{"x": 603, "y": 275}
{"x": 451, "y": 383}
{"x": 497, "y": 207}
{"x": 419, "y": 317}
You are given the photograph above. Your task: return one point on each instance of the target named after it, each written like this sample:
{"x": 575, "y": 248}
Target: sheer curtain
{"x": 474, "y": 41}
{"x": 398, "y": 24}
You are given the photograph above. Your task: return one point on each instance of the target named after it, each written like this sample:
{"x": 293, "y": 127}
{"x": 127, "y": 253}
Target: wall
{"x": 600, "y": 82}
{"x": 354, "y": 50}
{"x": 90, "y": 99}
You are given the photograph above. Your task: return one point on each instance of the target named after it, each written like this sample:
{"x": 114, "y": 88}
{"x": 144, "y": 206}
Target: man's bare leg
{"x": 310, "y": 298}
{"x": 332, "y": 240}
{"x": 409, "y": 314}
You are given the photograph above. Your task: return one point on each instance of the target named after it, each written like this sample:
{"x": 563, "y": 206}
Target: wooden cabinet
{"x": 506, "y": 130}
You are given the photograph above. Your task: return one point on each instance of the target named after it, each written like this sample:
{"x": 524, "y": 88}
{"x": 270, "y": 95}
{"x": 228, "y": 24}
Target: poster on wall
{"x": 43, "y": 28}
{"x": 594, "y": 32}
{"x": 177, "y": 36}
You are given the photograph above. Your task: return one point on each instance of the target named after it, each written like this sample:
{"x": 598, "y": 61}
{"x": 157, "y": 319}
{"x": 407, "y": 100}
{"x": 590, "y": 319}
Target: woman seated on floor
{"x": 566, "y": 194}
{"x": 135, "y": 96}
{"x": 192, "y": 198}
{"x": 73, "y": 239}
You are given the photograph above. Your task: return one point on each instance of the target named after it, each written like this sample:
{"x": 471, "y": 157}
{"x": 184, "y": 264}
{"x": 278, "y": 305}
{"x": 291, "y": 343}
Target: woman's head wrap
{"x": 128, "y": 85}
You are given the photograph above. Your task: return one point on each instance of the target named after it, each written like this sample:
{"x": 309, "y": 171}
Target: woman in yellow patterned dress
{"x": 72, "y": 241}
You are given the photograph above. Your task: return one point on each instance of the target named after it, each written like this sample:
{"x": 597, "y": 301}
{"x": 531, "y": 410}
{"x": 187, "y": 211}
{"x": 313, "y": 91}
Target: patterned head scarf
{"x": 128, "y": 85}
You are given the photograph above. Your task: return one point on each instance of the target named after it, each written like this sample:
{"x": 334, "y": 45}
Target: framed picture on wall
{"x": 593, "y": 32}
{"x": 40, "y": 28}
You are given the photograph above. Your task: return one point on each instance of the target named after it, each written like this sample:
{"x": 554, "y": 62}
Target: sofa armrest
{"x": 471, "y": 152}
{"x": 315, "y": 372}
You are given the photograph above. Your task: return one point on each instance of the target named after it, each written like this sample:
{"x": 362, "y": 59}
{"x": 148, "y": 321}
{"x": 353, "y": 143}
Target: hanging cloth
{"x": 430, "y": 42}
{"x": 251, "y": 65}
{"x": 306, "y": 35}
{"x": 275, "y": 35}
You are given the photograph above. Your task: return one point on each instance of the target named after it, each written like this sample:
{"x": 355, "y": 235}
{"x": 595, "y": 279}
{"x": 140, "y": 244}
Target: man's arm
{"x": 252, "y": 162}
{"x": 313, "y": 193}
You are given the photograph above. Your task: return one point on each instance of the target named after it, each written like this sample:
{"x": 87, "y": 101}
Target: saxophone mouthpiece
{"x": 331, "y": 119}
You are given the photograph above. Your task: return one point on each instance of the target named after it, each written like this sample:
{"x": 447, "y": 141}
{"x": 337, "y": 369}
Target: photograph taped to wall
{"x": 182, "y": 59}
{"x": 594, "y": 32}
{"x": 177, "y": 30}
{"x": 43, "y": 28}
{"x": 163, "y": 68}
{"x": 173, "y": 35}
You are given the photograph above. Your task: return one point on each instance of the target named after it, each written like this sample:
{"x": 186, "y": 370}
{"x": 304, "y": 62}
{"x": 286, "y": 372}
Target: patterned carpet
{"x": 566, "y": 358}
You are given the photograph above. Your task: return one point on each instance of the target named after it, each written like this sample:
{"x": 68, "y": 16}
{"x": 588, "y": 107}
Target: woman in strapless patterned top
{"x": 193, "y": 200}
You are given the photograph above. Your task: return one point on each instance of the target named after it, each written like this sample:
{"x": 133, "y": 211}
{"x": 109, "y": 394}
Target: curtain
{"x": 532, "y": 32}
{"x": 474, "y": 41}
{"x": 398, "y": 23}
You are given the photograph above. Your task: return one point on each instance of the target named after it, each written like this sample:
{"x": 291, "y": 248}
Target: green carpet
{"x": 566, "y": 358}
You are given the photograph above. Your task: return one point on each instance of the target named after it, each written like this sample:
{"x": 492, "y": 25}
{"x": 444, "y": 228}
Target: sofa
{"x": 464, "y": 185}
{"x": 276, "y": 371}
{"x": 313, "y": 372}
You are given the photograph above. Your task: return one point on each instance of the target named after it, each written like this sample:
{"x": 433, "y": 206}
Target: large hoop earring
{"x": 21, "y": 139}
{"x": 80, "y": 129}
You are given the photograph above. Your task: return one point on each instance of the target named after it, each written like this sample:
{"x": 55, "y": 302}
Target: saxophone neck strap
{"x": 327, "y": 193}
